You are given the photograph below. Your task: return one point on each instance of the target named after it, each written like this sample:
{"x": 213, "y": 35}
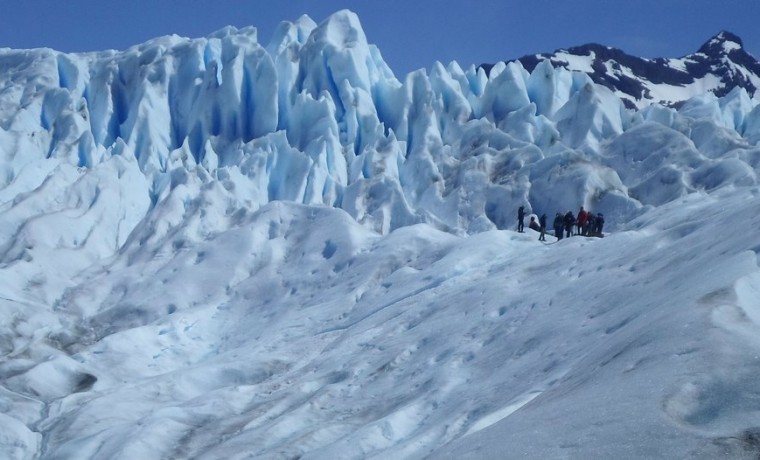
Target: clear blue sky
{"x": 411, "y": 34}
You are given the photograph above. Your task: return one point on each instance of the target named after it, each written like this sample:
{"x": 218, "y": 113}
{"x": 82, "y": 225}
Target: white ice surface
{"x": 215, "y": 249}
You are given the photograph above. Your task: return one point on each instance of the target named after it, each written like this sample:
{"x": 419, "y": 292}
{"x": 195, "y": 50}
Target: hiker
{"x": 533, "y": 225}
{"x": 559, "y": 222}
{"x": 581, "y": 222}
{"x": 590, "y": 224}
{"x": 542, "y": 227}
{"x": 521, "y": 219}
{"x": 569, "y": 221}
{"x": 599, "y": 224}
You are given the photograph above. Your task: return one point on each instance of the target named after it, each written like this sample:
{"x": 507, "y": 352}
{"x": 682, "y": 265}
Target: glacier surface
{"x": 216, "y": 248}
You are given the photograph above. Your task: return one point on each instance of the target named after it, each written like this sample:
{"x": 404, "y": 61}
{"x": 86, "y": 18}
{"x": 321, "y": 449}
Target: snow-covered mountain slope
{"x": 215, "y": 248}
{"x": 719, "y": 66}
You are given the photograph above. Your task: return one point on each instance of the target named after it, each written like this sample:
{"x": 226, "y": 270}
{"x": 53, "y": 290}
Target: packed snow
{"x": 220, "y": 249}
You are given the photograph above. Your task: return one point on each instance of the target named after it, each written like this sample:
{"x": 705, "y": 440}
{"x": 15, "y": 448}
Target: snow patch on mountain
{"x": 719, "y": 66}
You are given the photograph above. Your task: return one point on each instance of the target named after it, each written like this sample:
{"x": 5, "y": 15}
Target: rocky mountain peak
{"x": 722, "y": 43}
{"x": 720, "y": 65}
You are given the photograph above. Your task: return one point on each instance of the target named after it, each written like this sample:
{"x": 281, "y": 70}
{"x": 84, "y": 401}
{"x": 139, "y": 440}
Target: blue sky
{"x": 411, "y": 34}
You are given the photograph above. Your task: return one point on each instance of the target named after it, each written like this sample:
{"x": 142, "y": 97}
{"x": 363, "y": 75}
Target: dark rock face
{"x": 722, "y": 57}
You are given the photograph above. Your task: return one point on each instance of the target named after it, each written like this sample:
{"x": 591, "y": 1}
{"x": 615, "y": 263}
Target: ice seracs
{"x": 217, "y": 103}
{"x": 212, "y": 246}
{"x": 316, "y": 117}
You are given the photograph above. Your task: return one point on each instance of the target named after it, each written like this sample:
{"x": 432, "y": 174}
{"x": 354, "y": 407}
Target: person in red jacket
{"x": 533, "y": 225}
{"x": 581, "y": 221}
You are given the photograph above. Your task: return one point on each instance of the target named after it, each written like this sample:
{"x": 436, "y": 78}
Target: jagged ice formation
{"x": 317, "y": 117}
{"x": 284, "y": 182}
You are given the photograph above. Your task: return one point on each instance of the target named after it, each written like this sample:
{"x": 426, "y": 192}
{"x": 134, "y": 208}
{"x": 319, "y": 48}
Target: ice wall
{"x": 316, "y": 116}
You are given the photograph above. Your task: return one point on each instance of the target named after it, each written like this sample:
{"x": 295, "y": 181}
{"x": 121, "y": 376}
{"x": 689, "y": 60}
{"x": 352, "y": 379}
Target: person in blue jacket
{"x": 569, "y": 222}
{"x": 559, "y": 224}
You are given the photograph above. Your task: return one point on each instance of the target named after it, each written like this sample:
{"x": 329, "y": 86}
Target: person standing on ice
{"x": 521, "y": 219}
{"x": 599, "y": 224}
{"x": 558, "y": 224}
{"x": 569, "y": 223}
{"x": 581, "y": 222}
{"x": 542, "y": 227}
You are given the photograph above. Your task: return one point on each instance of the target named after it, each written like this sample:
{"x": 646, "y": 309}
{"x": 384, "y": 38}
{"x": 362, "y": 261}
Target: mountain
{"x": 222, "y": 248}
{"x": 719, "y": 66}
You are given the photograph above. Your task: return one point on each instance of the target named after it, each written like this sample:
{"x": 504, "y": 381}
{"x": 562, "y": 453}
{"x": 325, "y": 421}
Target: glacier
{"x": 216, "y": 248}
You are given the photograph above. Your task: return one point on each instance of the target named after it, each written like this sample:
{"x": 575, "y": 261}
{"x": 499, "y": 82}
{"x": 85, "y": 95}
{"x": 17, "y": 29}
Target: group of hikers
{"x": 565, "y": 225}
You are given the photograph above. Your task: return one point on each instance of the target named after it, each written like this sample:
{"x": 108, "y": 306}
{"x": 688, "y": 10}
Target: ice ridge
{"x": 317, "y": 117}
